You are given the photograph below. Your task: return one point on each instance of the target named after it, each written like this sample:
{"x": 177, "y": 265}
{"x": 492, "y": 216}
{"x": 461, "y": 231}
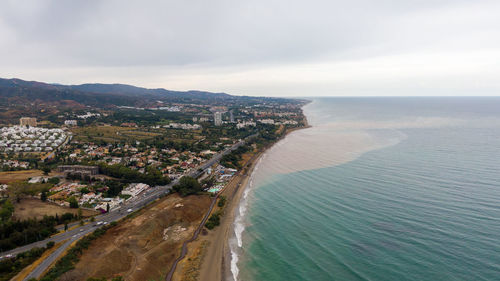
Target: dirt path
{"x": 143, "y": 247}
{"x": 216, "y": 263}
{"x": 194, "y": 237}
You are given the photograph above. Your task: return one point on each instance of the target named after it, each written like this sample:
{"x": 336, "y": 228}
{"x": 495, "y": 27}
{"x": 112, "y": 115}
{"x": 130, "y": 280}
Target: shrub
{"x": 213, "y": 221}
{"x": 222, "y": 201}
{"x": 187, "y": 185}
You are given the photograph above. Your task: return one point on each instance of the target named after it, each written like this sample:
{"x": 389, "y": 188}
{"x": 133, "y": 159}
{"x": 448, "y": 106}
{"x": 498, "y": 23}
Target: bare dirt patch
{"x": 11, "y": 176}
{"x": 136, "y": 249}
{"x": 35, "y": 208}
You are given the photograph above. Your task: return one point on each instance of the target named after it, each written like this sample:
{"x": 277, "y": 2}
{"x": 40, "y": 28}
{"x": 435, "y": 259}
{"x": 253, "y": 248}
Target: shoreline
{"x": 209, "y": 256}
{"x": 216, "y": 263}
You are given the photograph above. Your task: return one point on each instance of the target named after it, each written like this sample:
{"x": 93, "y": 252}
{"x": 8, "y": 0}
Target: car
{"x": 104, "y": 223}
{"x": 129, "y": 210}
{"x": 81, "y": 230}
{"x": 99, "y": 222}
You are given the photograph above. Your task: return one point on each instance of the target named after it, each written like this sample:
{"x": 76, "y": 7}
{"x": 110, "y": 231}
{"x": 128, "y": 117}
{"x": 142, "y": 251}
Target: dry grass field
{"x": 110, "y": 133}
{"x": 145, "y": 246}
{"x": 7, "y": 177}
{"x": 34, "y": 208}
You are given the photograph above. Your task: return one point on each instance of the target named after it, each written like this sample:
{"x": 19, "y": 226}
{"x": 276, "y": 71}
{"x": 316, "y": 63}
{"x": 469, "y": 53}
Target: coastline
{"x": 209, "y": 256}
{"x": 216, "y": 261}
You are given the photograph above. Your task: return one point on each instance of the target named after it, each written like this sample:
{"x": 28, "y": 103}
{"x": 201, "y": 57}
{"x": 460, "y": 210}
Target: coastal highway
{"x": 114, "y": 215}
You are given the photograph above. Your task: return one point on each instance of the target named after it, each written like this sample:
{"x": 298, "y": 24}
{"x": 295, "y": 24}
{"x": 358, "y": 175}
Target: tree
{"x": 81, "y": 223}
{"x": 187, "y": 185}
{"x": 54, "y": 180}
{"x": 72, "y": 202}
{"x": 43, "y": 196}
{"x": 6, "y": 210}
{"x": 79, "y": 213}
{"x": 50, "y": 244}
{"x": 107, "y": 207}
{"x": 46, "y": 170}
{"x": 66, "y": 227}
{"x": 92, "y": 219}
{"x": 222, "y": 201}
{"x": 213, "y": 221}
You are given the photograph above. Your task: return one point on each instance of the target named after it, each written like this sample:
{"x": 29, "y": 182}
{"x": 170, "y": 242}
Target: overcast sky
{"x": 258, "y": 47}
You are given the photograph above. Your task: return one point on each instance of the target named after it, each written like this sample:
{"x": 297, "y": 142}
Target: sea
{"x": 383, "y": 188}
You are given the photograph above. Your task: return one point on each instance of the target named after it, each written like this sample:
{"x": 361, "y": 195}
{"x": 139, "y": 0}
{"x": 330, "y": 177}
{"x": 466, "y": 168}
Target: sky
{"x": 258, "y": 47}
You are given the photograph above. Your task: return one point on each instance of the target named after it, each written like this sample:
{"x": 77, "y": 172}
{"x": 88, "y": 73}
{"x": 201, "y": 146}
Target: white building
{"x": 266, "y": 121}
{"x": 245, "y": 124}
{"x": 183, "y": 126}
{"x": 135, "y": 189}
{"x": 218, "y": 118}
{"x": 70, "y": 123}
{"x": 21, "y": 138}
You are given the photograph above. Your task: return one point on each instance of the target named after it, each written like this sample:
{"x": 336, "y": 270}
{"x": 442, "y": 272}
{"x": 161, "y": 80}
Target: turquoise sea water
{"x": 423, "y": 207}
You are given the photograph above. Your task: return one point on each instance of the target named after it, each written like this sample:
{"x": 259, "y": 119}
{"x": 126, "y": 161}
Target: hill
{"x": 17, "y": 91}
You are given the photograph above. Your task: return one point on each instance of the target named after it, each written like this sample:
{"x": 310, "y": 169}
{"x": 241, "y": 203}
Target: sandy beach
{"x": 209, "y": 257}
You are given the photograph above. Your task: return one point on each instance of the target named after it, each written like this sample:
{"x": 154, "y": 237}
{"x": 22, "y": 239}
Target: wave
{"x": 325, "y": 144}
{"x": 236, "y": 243}
{"x": 331, "y": 142}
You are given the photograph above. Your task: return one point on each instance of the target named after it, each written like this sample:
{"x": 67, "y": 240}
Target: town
{"x": 101, "y": 161}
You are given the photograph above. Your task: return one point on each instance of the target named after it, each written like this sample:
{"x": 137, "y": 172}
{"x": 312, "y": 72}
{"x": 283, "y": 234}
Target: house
{"x": 70, "y": 123}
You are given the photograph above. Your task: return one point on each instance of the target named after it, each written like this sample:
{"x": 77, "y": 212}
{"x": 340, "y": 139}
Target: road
{"x": 195, "y": 235}
{"x": 114, "y": 215}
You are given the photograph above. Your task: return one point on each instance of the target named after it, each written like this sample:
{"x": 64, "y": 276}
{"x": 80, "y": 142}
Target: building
{"x": 231, "y": 116}
{"x": 27, "y": 121}
{"x": 70, "y": 123}
{"x": 218, "y": 118}
{"x": 183, "y": 126}
{"x": 131, "y": 124}
{"x": 245, "y": 124}
{"x": 79, "y": 169}
{"x": 266, "y": 121}
{"x": 135, "y": 189}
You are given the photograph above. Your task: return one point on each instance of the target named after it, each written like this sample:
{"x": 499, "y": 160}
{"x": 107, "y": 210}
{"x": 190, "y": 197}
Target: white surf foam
{"x": 236, "y": 243}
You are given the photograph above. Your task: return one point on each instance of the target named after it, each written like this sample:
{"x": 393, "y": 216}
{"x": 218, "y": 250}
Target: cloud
{"x": 273, "y": 47}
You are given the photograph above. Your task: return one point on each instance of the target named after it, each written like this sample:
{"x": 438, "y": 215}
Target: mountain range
{"x": 19, "y": 91}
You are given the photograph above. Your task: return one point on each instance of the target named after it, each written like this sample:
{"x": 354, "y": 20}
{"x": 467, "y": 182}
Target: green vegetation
{"x": 73, "y": 203}
{"x": 18, "y": 189}
{"x": 232, "y": 160}
{"x": 54, "y": 180}
{"x": 6, "y": 210}
{"x": 110, "y": 134}
{"x": 68, "y": 262}
{"x": 15, "y": 233}
{"x": 43, "y": 196}
{"x": 213, "y": 221}
{"x": 50, "y": 244}
{"x": 208, "y": 182}
{"x": 187, "y": 185}
{"x": 222, "y": 201}
{"x": 152, "y": 176}
{"x": 46, "y": 170}
{"x": 10, "y": 267}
